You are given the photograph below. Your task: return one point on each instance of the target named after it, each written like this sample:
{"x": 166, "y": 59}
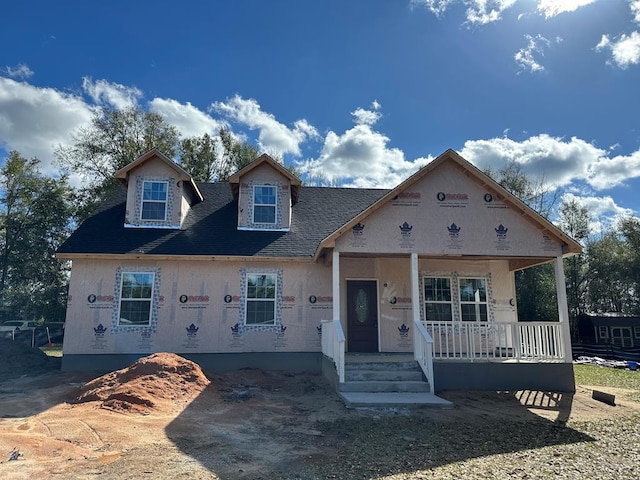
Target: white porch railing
{"x": 423, "y": 351}
{"x": 497, "y": 341}
{"x": 333, "y": 345}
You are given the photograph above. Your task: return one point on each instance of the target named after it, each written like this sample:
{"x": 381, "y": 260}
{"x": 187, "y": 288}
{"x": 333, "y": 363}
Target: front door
{"x": 362, "y": 316}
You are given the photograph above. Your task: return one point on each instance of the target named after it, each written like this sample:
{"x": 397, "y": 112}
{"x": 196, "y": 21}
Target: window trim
{"x": 273, "y": 300}
{"x": 274, "y": 205}
{"x": 165, "y": 201}
{"x": 636, "y": 331}
{"x": 603, "y": 331}
{"x": 150, "y": 299}
{"x": 242, "y": 326}
{"x": 455, "y": 293}
{"x": 439, "y": 302}
{"x": 478, "y": 303}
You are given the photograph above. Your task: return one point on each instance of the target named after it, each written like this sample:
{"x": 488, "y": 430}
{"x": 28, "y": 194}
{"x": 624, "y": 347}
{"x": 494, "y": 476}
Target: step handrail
{"x": 423, "y": 351}
{"x": 333, "y": 345}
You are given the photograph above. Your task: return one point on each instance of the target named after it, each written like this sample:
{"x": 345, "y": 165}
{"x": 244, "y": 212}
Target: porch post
{"x": 336, "y": 285}
{"x": 563, "y": 308}
{"x": 415, "y": 288}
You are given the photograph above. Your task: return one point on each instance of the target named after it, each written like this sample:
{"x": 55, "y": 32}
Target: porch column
{"x": 336, "y": 285}
{"x": 415, "y": 288}
{"x": 563, "y": 308}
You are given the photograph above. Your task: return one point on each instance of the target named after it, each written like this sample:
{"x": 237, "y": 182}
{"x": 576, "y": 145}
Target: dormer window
{"x": 154, "y": 201}
{"x": 264, "y": 204}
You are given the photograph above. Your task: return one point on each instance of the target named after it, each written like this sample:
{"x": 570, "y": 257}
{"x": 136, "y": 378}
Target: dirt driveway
{"x": 253, "y": 424}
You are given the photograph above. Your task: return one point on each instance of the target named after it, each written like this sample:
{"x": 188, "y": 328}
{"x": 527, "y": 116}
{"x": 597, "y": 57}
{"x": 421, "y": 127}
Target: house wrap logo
{"x": 99, "y": 331}
{"x": 93, "y": 298}
{"x": 192, "y": 331}
{"x": 193, "y": 298}
{"x": 455, "y": 197}
{"x": 454, "y": 230}
{"x": 358, "y": 229}
{"x": 405, "y": 229}
{"x": 403, "y": 330}
{"x": 501, "y": 232}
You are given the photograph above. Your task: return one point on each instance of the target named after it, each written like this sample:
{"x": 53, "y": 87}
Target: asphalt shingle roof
{"x": 210, "y": 227}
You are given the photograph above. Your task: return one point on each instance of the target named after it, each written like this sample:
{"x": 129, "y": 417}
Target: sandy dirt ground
{"x": 164, "y": 418}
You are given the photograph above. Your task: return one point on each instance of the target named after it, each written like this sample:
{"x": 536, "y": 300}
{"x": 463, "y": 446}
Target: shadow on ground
{"x": 254, "y": 424}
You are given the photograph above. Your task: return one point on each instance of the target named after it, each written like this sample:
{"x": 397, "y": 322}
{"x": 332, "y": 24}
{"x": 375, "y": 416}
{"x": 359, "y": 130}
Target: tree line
{"x": 38, "y": 212}
{"x": 605, "y": 278}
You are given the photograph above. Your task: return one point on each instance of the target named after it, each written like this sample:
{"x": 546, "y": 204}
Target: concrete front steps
{"x": 386, "y": 381}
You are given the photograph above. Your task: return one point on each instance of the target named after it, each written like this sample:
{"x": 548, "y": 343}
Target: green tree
{"x": 35, "y": 213}
{"x": 210, "y": 159}
{"x": 535, "y": 287}
{"x": 630, "y": 228}
{"x": 112, "y": 140}
{"x": 574, "y": 220}
{"x": 538, "y": 195}
{"x": 610, "y": 288}
{"x": 236, "y": 155}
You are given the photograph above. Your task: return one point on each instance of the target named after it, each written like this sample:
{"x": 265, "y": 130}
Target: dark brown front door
{"x": 362, "y": 316}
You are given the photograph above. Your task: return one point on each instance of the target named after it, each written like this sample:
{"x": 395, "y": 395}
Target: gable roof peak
{"x": 123, "y": 173}
{"x": 265, "y": 158}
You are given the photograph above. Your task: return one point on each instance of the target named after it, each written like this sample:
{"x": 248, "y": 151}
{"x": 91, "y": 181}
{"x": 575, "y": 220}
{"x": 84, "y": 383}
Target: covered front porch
{"x": 492, "y": 351}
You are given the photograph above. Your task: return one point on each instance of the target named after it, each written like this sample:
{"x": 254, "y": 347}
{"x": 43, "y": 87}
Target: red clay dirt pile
{"x": 151, "y": 383}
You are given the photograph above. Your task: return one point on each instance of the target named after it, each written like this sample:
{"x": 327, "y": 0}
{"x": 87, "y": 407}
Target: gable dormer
{"x": 265, "y": 191}
{"x": 159, "y": 192}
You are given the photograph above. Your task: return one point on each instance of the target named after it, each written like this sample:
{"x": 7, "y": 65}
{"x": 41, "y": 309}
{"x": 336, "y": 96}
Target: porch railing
{"x": 333, "y": 345}
{"x": 423, "y": 351}
{"x": 497, "y": 341}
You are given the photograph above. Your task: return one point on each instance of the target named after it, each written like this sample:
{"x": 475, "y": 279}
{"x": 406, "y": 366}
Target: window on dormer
{"x": 154, "y": 201}
{"x": 264, "y": 204}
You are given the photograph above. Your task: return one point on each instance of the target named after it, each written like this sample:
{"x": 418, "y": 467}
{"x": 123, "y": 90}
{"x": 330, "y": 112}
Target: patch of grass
{"x": 607, "y": 377}
{"x": 53, "y": 351}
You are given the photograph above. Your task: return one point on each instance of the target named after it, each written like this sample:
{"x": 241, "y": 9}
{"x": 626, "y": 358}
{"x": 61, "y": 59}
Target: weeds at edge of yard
{"x": 52, "y": 351}
{"x": 609, "y": 377}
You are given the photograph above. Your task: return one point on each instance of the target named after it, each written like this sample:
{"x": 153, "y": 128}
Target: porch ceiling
{"x": 515, "y": 263}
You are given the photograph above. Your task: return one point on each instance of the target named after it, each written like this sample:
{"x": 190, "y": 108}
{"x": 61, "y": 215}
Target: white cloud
{"x": 553, "y": 159}
{"x": 189, "y": 120}
{"x": 610, "y": 172}
{"x": 437, "y": 7}
{"x": 479, "y": 12}
{"x": 273, "y": 136}
{"x": 603, "y": 210}
{"x": 551, "y": 8}
{"x": 625, "y": 50}
{"x": 634, "y": 5}
{"x": 111, "y": 94}
{"x": 365, "y": 117}
{"x": 360, "y": 157}
{"x": 482, "y": 12}
{"x": 20, "y": 71}
{"x": 36, "y": 120}
{"x": 526, "y": 57}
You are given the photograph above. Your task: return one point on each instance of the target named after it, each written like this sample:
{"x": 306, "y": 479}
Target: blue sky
{"x": 363, "y": 92}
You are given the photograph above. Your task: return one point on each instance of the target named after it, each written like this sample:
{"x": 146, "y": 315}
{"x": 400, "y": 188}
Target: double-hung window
{"x": 437, "y": 299}
{"x": 473, "y": 299}
{"x": 136, "y": 294}
{"x": 264, "y": 204}
{"x": 603, "y": 331}
{"x": 455, "y": 298}
{"x": 261, "y": 299}
{"x": 154, "y": 200}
